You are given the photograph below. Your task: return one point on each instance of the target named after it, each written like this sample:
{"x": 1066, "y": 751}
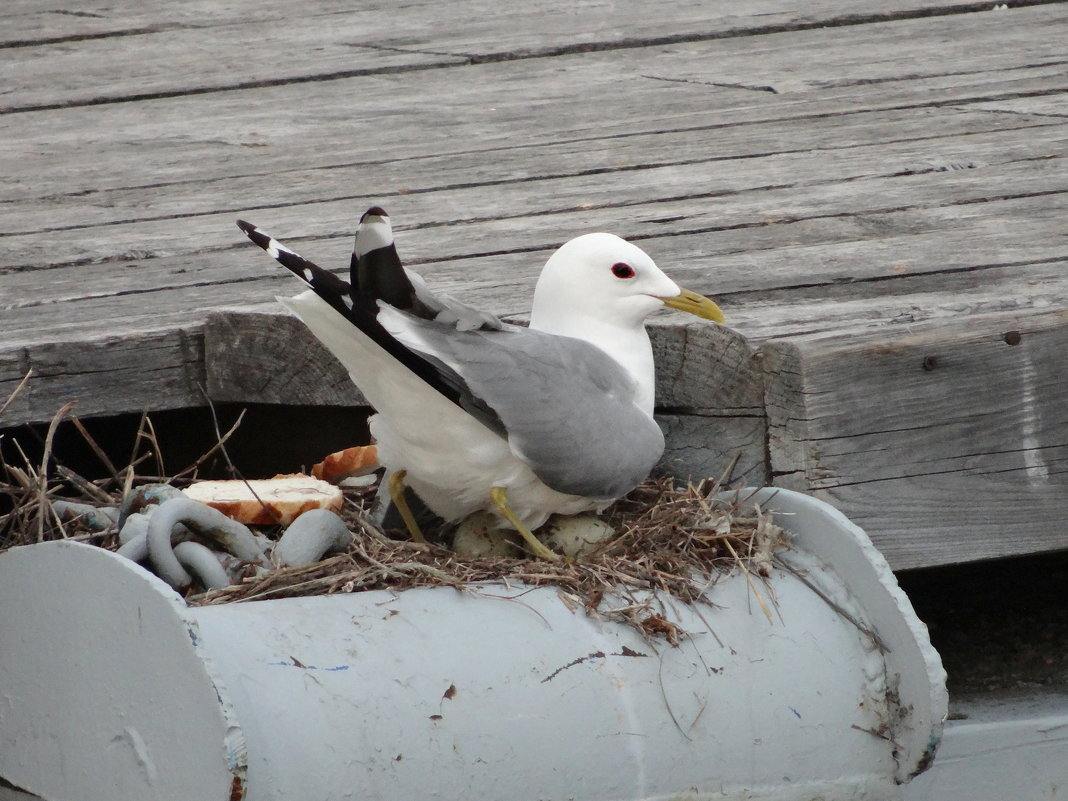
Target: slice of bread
{"x": 271, "y": 501}
{"x": 358, "y": 461}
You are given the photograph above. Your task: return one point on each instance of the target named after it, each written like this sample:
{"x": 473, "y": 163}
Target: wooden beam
{"x": 105, "y": 375}
{"x": 709, "y": 384}
{"x": 946, "y": 441}
{"x": 269, "y": 356}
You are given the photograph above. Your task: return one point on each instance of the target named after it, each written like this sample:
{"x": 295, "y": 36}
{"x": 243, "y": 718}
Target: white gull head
{"x": 601, "y": 288}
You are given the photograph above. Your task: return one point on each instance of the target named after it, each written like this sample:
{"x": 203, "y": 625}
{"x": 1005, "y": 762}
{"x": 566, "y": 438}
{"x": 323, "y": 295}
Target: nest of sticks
{"x": 671, "y": 542}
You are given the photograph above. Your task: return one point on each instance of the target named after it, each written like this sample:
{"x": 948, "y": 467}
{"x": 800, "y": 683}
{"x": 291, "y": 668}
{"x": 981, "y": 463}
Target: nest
{"x": 670, "y": 543}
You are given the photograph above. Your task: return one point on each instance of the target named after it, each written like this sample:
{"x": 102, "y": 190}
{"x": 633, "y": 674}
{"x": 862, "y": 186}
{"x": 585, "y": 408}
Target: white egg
{"x": 480, "y": 535}
{"x": 578, "y": 535}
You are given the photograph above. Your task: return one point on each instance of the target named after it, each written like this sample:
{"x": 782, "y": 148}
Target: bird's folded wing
{"x": 447, "y": 309}
{"x": 567, "y": 407}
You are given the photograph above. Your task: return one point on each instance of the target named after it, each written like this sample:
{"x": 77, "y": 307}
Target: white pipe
{"x": 493, "y": 693}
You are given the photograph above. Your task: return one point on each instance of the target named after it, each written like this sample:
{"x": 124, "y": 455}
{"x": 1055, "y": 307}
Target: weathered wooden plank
{"x": 898, "y": 303}
{"x": 161, "y": 369}
{"x": 1030, "y": 107}
{"x": 939, "y": 138}
{"x": 53, "y": 248}
{"x": 692, "y": 195}
{"x": 705, "y": 369}
{"x": 130, "y": 315}
{"x": 503, "y": 26}
{"x": 201, "y": 46}
{"x": 229, "y": 148}
{"x": 179, "y": 59}
{"x": 940, "y": 520}
{"x": 210, "y": 134}
{"x": 949, "y": 419}
{"x": 268, "y": 356}
{"x": 818, "y": 251}
{"x": 705, "y": 446}
{"x": 710, "y": 402}
{"x": 697, "y": 197}
{"x": 30, "y": 23}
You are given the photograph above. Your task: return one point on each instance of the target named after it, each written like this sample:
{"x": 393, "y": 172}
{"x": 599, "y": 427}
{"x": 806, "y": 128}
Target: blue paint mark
{"x": 309, "y": 667}
{"x": 796, "y": 713}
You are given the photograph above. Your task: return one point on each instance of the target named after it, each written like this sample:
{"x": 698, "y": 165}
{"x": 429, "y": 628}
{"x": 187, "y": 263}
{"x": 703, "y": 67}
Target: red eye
{"x": 622, "y": 270}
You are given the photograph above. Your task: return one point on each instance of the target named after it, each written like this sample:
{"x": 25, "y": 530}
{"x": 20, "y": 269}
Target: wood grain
{"x": 154, "y": 370}
{"x": 697, "y": 195}
{"x": 968, "y": 58}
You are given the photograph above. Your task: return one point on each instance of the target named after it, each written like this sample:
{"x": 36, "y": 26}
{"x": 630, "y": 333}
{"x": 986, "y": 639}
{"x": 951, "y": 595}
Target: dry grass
{"x": 27, "y": 487}
{"x": 670, "y": 540}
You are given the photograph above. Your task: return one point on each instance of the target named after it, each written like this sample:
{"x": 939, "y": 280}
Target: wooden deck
{"x": 874, "y": 191}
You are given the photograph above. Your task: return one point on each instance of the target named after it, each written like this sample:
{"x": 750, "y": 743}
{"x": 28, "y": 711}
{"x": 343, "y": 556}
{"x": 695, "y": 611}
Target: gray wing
{"x": 448, "y": 310}
{"x": 567, "y": 407}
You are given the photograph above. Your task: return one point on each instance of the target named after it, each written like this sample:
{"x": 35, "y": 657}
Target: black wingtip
{"x": 247, "y": 227}
{"x": 374, "y": 211}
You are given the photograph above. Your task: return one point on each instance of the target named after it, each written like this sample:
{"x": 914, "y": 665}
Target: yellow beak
{"x": 692, "y": 303}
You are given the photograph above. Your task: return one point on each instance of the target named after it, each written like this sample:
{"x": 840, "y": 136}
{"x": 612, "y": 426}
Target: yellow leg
{"x": 499, "y": 496}
{"x": 396, "y": 493}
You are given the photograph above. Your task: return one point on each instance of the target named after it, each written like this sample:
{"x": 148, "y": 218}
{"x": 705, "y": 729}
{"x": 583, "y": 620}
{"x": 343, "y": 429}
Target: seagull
{"x": 475, "y": 414}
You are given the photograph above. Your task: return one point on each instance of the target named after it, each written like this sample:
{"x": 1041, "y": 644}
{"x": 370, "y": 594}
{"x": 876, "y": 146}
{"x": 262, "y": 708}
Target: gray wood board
{"x": 647, "y": 200}
{"x": 924, "y": 437}
{"x": 897, "y": 304}
{"x": 868, "y": 251}
{"x": 940, "y": 138}
{"x": 422, "y": 25}
{"x": 157, "y": 369}
{"x": 880, "y": 195}
{"x": 596, "y": 95}
{"x": 116, "y": 51}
